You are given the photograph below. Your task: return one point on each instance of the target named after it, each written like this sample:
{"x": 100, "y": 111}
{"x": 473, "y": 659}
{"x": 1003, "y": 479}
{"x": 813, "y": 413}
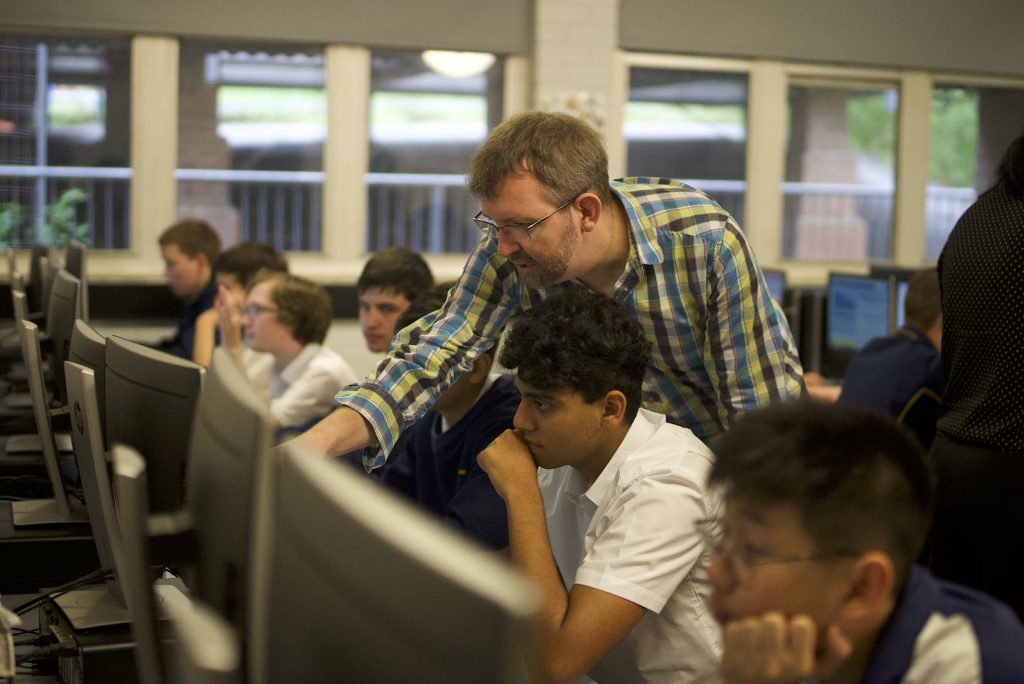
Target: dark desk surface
{"x": 42, "y": 556}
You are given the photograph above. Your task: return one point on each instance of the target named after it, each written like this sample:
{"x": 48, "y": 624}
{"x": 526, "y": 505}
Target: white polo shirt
{"x": 631, "y": 533}
{"x": 305, "y": 388}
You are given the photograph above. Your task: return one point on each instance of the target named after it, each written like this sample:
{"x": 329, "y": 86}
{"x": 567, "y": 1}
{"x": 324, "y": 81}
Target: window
{"x": 250, "y": 141}
{"x": 971, "y": 127}
{"x": 64, "y": 141}
{"x": 689, "y": 125}
{"x": 839, "y": 177}
{"x": 428, "y": 113}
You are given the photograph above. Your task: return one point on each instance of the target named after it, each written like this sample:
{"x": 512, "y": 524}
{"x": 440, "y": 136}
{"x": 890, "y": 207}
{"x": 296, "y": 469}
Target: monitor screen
{"x": 151, "y": 401}
{"x": 398, "y": 603}
{"x": 857, "y": 310}
{"x": 901, "y": 297}
{"x": 776, "y": 282}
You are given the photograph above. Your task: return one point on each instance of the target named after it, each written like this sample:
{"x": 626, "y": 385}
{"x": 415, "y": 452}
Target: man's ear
{"x": 871, "y": 593}
{"x": 204, "y": 261}
{"x": 614, "y": 408}
{"x": 589, "y": 205}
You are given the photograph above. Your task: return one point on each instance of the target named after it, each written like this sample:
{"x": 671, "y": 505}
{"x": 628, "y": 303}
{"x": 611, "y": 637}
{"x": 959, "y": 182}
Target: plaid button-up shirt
{"x": 720, "y": 343}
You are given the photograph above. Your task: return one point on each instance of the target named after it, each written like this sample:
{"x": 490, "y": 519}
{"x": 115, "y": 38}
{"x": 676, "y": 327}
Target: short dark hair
{"x": 398, "y": 269}
{"x": 923, "y": 305}
{"x": 579, "y": 341}
{"x": 425, "y": 302}
{"x": 858, "y": 481}
{"x": 564, "y": 153}
{"x": 245, "y": 259}
{"x": 301, "y": 303}
{"x": 192, "y": 237}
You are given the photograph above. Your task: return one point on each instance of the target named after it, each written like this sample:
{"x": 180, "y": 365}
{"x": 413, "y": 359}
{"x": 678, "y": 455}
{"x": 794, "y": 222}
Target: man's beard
{"x": 544, "y": 271}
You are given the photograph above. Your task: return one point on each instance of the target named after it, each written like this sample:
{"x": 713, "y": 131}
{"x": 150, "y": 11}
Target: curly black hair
{"x": 579, "y": 341}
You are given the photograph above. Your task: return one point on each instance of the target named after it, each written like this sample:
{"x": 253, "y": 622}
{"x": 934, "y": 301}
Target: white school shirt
{"x": 305, "y": 388}
{"x": 632, "y": 533}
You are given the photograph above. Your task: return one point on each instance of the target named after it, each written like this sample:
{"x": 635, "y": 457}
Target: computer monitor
{"x": 61, "y": 313}
{"x": 103, "y": 605}
{"x": 857, "y": 311}
{"x": 37, "y": 271}
{"x": 89, "y": 348}
{"x": 74, "y": 263}
{"x": 899, "y": 313}
{"x": 151, "y": 401}
{"x": 394, "y": 596}
{"x": 776, "y": 282}
{"x": 899, "y": 280}
{"x": 204, "y": 647}
{"x": 232, "y": 437}
{"x": 59, "y": 509}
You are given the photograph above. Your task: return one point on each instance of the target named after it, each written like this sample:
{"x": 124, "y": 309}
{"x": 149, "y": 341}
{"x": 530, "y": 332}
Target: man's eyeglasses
{"x": 742, "y": 563}
{"x": 488, "y": 225}
{"x": 253, "y": 310}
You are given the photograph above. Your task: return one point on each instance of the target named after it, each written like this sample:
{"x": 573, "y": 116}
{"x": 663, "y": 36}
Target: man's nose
{"x": 507, "y": 246}
{"x": 520, "y": 420}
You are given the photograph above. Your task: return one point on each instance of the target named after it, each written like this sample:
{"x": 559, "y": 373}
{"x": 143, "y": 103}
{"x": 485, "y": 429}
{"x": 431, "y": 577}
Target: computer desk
{"x": 42, "y": 556}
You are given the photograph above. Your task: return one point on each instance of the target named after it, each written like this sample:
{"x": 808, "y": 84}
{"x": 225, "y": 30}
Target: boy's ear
{"x": 872, "y": 592}
{"x": 614, "y": 408}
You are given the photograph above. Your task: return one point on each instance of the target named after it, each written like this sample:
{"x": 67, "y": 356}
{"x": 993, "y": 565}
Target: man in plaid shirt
{"x": 551, "y": 220}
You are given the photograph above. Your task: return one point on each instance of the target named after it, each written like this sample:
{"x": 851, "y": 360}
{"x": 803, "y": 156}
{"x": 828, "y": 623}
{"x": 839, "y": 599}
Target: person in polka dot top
{"x": 978, "y": 453}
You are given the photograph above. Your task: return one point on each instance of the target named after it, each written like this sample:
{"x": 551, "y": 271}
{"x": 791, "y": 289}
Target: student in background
{"x": 901, "y": 375}
{"x": 435, "y": 462}
{"x": 826, "y": 508}
{"x": 234, "y": 269}
{"x": 390, "y": 280}
{"x": 189, "y": 248}
{"x": 612, "y": 514}
{"x": 978, "y": 453}
{"x": 288, "y": 317}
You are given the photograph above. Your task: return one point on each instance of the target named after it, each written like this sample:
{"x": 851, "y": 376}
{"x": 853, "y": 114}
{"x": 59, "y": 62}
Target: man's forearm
{"x": 341, "y": 432}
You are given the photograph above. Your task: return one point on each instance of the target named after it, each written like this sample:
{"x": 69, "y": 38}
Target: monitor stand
{"x": 94, "y": 606}
{"x": 31, "y": 443}
{"x": 45, "y": 512}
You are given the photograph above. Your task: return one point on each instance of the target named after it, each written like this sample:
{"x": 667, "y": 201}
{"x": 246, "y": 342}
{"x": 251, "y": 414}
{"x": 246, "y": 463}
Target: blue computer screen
{"x": 858, "y": 310}
{"x": 901, "y": 295}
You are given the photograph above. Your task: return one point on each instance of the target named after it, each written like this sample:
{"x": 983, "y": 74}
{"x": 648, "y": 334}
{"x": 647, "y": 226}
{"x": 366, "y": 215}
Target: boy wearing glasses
{"x": 552, "y": 221}
{"x": 607, "y": 527}
{"x": 288, "y": 317}
{"x": 826, "y": 509}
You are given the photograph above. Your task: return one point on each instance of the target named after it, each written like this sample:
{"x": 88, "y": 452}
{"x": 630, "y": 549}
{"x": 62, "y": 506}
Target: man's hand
{"x": 771, "y": 649}
{"x": 510, "y": 465}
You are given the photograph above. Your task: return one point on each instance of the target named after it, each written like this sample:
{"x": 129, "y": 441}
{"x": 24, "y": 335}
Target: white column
{"x": 346, "y": 152}
{"x": 574, "y": 61}
{"x": 154, "y": 141}
{"x": 766, "y": 136}
{"x": 912, "y": 151}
